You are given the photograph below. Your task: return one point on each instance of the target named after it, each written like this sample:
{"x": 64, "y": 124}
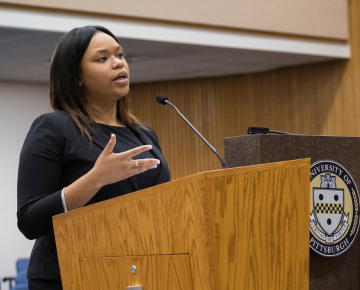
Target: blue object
{"x": 21, "y": 281}
{"x": 22, "y": 264}
{"x": 20, "y": 287}
{"x": 21, "y": 277}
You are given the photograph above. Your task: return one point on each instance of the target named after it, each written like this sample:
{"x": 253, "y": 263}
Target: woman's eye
{"x": 102, "y": 59}
{"x": 121, "y": 55}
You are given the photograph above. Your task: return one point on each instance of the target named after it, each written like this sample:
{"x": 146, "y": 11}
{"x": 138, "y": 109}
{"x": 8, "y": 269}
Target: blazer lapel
{"x": 100, "y": 139}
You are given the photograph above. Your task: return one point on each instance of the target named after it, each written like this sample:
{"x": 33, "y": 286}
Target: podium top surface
{"x": 258, "y": 149}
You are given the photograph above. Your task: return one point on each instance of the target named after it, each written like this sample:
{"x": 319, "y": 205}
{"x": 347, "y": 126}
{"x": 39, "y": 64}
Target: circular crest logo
{"x": 334, "y": 208}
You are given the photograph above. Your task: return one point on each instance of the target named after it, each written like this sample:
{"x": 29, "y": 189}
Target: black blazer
{"x": 54, "y": 155}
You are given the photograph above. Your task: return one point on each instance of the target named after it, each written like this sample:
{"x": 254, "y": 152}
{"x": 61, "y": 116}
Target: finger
{"x": 151, "y": 166}
{"x": 138, "y": 170}
{"x": 144, "y": 168}
{"x": 110, "y": 145}
{"x": 146, "y": 162}
{"x": 137, "y": 150}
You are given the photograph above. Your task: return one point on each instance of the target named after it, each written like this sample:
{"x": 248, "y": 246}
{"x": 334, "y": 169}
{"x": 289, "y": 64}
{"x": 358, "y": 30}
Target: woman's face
{"x": 104, "y": 71}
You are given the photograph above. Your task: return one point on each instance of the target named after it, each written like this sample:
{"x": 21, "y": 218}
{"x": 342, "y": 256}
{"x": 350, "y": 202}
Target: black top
{"x": 54, "y": 155}
{"x": 128, "y": 140}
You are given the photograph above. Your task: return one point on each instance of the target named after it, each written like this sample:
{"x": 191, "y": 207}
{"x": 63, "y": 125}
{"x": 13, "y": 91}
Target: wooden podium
{"x": 240, "y": 228}
{"x": 341, "y": 272}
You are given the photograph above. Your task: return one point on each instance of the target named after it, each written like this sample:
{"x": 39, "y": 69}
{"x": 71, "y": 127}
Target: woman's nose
{"x": 118, "y": 63}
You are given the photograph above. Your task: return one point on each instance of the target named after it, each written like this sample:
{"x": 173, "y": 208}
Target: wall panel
{"x": 316, "y": 18}
{"x": 319, "y": 99}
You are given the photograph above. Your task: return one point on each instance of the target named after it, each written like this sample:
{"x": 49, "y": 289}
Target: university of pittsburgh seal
{"x": 334, "y": 208}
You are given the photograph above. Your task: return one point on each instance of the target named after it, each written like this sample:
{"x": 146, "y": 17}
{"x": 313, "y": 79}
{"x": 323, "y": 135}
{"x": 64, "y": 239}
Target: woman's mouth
{"x": 122, "y": 77}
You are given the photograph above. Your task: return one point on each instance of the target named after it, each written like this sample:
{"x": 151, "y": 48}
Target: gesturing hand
{"x": 112, "y": 167}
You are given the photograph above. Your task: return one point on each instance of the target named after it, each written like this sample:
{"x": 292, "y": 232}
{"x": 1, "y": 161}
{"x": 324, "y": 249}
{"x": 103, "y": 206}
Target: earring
{"x": 80, "y": 83}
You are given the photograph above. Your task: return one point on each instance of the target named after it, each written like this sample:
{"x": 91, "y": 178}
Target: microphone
{"x": 260, "y": 130}
{"x": 161, "y": 99}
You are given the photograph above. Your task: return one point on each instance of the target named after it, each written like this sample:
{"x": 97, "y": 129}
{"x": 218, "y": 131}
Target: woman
{"x": 90, "y": 149}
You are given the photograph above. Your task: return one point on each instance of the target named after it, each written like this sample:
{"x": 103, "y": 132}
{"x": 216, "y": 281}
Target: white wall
{"x": 20, "y": 104}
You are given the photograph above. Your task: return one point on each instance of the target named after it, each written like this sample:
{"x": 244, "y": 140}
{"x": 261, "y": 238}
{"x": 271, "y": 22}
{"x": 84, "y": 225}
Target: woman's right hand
{"x": 112, "y": 167}
{"x": 109, "y": 168}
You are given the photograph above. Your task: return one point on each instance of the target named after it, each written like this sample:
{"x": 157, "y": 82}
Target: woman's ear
{"x": 80, "y": 81}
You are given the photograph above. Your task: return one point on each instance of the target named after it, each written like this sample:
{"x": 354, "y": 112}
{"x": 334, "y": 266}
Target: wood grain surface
{"x": 261, "y": 228}
{"x": 166, "y": 272}
{"x": 317, "y": 99}
{"x": 241, "y": 228}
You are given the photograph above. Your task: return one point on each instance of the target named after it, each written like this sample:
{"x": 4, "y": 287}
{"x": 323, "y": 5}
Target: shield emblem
{"x": 328, "y": 208}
